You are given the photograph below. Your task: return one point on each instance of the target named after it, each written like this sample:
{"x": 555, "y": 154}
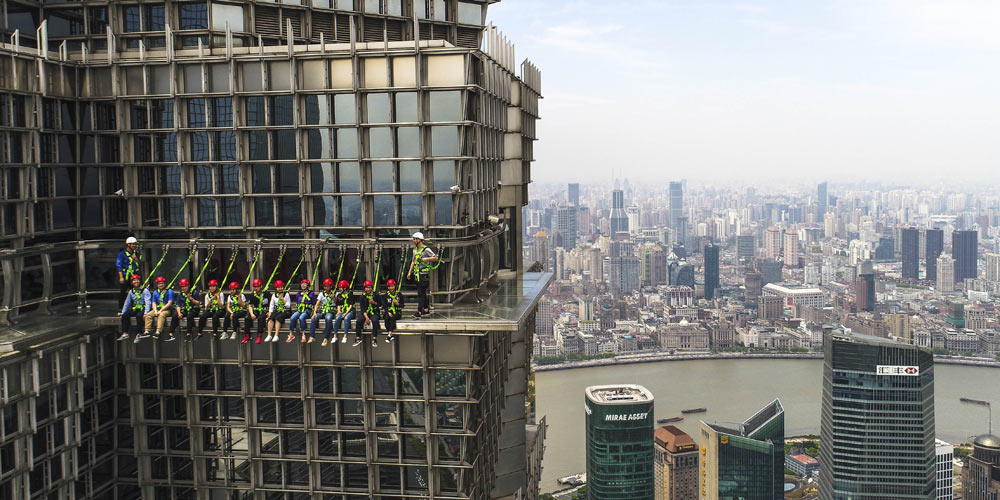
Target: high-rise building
{"x": 992, "y": 267}
{"x": 540, "y": 250}
{"x": 676, "y": 195}
{"x": 744, "y": 460}
{"x": 711, "y": 270}
{"x": 791, "y": 248}
{"x": 911, "y": 253}
{"x": 634, "y": 217}
{"x": 271, "y": 134}
{"x": 864, "y": 292}
{"x": 573, "y": 194}
{"x": 934, "y": 245}
{"x": 745, "y": 248}
{"x": 619, "y": 442}
{"x": 653, "y": 262}
{"x": 623, "y": 273}
{"x": 770, "y": 307}
{"x": 772, "y": 243}
{"x": 752, "y": 285}
{"x": 619, "y": 219}
{"x": 944, "y": 454}
{"x": 675, "y": 470}
{"x": 982, "y": 475}
{"x": 964, "y": 249}
{"x": 887, "y": 388}
{"x": 770, "y": 270}
{"x": 565, "y": 233}
{"x": 945, "y": 273}
{"x": 821, "y": 202}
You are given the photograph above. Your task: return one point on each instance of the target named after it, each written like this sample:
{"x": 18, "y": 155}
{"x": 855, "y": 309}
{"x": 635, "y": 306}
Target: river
{"x": 733, "y": 390}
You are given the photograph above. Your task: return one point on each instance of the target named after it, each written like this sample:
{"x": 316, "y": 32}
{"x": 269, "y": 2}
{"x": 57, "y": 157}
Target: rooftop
{"x": 618, "y": 394}
{"x": 673, "y": 439}
{"x": 805, "y": 459}
{"x": 792, "y": 288}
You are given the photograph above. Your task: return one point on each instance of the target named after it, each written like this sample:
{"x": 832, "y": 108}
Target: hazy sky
{"x": 716, "y": 89}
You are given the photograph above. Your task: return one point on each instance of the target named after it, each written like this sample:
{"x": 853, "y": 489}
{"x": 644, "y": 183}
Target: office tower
{"x": 964, "y": 249}
{"x": 934, "y": 246}
{"x": 675, "y": 464}
{"x": 565, "y": 232}
{"x": 864, "y": 292}
{"x": 681, "y": 231}
{"x": 235, "y": 140}
{"x": 573, "y": 194}
{"x": 982, "y": 475}
{"x": 945, "y": 274}
{"x": 821, "y": 202}
{"x": 745, "y": 247}
{"x": 619, "y": 442}
{"x": 623, "y": 273}
{"x": 886, "y": 388}
{"x": 746, "y": 459}
{"x": 596, "y": 266}
{"x": 632, "y": 212}
{"x": 540, "y": 250}
{"x": 682, "y": 274}
{"x": 544, "y": 317}
{"x": 586, "y": 309}
{"x": 653, "y": 262}
{"x": 992, "y": 267}
{"x": 752, "y": 285}
{"x": 911, "y": 253}
{"x": 791, "y": 248}
{"x": 676, "y": 196}
{"x": 770, "y": 307}
{"x": 886, "y": 248}
{"x": 944, "y": 454}
{"x": 619, "y": 220}
{"x": 711, "y": 270}
{"x": 772, "y": 243}
{"x": 770, "y": 271}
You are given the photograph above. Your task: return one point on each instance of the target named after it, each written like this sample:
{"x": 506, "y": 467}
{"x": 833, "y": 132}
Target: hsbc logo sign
{"x": 906, "y": 371}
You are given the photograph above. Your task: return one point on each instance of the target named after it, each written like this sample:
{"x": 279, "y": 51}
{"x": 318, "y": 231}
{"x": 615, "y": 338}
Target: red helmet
{"x": 305, "y": 281}
{"x": 234, "y": 285}
{"x": 161, "y": 279}
{"x": 213, "y": 283}
{"x": 279, "y": 284}
{"x": 391, "y": 282}
{"x": 368, "y": 283}
{"x": 136, "y": 277}
{"x": 343, "y": 284}
{"x": 257, "y": 282}
{"x": 183, "y": 282}
{"x": 328, "y": 282}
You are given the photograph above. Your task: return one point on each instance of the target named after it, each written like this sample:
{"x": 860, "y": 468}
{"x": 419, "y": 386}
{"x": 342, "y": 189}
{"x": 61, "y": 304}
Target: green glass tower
{"x": 877, "y": 420}
{"x": 745, "y": 461}
{"x": 619, "y": 442}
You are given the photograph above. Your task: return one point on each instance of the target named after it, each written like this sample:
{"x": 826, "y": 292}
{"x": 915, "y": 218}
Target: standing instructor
{"x": 420, "y": 267}
{"x": 128, "y": 263}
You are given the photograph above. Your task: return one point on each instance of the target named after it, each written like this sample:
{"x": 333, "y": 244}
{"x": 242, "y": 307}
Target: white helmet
{"x": 418, "y": 235}
{"x": 130, "y": 240}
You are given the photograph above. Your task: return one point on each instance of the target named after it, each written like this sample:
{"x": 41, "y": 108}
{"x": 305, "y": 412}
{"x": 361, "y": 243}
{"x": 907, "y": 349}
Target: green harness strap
{"x": 250, "y": 273}
{"x": 296, "y": 270}
{"x": 157, "y": 266}
{"x": 378, "y": 265}
{"x": 231, "y": 263}
{"x": 179, "y": 271}
{"x": 275, "y": 271}
{"x": 203, "y": 268}
{"x": 312, "y": 284}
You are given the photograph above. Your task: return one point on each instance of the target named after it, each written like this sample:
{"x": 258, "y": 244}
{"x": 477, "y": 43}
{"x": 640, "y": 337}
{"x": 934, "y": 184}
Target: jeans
{"x": 346, "y": 319}
{"x": 132, "y": 313}
{"x": 315, "y": 323}
{"x": 299, "y": 320}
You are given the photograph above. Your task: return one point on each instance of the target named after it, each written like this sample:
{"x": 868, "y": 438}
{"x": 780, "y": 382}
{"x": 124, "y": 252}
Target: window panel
{"x": 193, "y": 16}
{"x": 444, "y": 141}
{"x": 445, "y": 106}
{"x": 226, "y": 14}
{"x": 384, "y": 211}
{"x": 409, "y": 176}
{"x": 347, "y": 143}
{"x": 344, "y": 109}
{"x": 406, "y": 107}
{"x": 412, "y": 211}
{"x": 382, "y": 176}
{"x": 442, "y": 209}
{"x": 380, "y": 142}
{"x": 408, "y": 142}
{"x": 378, "y": 108}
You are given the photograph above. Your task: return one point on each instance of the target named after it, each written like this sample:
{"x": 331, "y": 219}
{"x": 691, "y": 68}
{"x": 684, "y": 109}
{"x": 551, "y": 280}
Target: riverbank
{"x": 649, "y": 357}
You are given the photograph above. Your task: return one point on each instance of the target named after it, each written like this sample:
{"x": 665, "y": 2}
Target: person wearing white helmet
{"x": 128, "y": 263}
{"x": 424, "y": 259}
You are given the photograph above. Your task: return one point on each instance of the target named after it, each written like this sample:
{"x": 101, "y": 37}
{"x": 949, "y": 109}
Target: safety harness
{"x": 330, "y": 302}
{"x": 160, "y": 294}
{"x": 391, "y": 297}
{"x": 370, "y": 308}
{"x": 344, "y": 298}
{"x": 188, "y": 305}
{"x": 235, "y": 302}
{"x": 137, "y": 299}
{"x": 279, "y": 301}
{"x": 213, "y": 302}
{"x": 421, "y": 266}
{"x": 260, "y": 302}
{"x": 305, "y": 301}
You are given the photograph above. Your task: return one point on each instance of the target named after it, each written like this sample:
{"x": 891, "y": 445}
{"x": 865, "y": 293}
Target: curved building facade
{"x": 619, "y": 433}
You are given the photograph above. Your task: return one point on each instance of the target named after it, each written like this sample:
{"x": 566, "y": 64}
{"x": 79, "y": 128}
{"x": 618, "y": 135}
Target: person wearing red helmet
{"x": 137, "y": 304}
{"x": 215, "y": 308}
{"x": 278, "y": 310}
{"x": 162, "y": 306}
{"x": 325, "y": 308}
{"x": 306, "y": 301}
{"x": 370, "y": 304}
{"x": 186, "y": 306}
{"x": 345, "y": 310}
{"x": 257, "y": 310}
{"x": 236, "y": 310}
{"x": 393, "y": 302}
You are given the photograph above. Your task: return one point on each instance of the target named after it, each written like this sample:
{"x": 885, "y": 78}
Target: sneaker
{"x": 268, "y": 338}
{"x": 357, "y": 342}
{"x": 310, "y": 341}
{"x": 324, "y": 343}
{"x": 246, "y": 338}
{"x": 303, "y": 338}
{"x": 138, "y": 338}
{"x": 187, "y": 338}
{"x": 232, "y": 336}
{"x": 258, "y": 340}
{"x": 124, "y": 336}
{"x": 145, "y": 335}
{"x": 374, "y": 342}
{"x": 416, "y": 315}
{"x": 389, "y": 338}
{"x": 291, "y": 337}
{"x": 156, "y": 336}
{"x": 170, "y": 339}
{"x": 343, "y": 340}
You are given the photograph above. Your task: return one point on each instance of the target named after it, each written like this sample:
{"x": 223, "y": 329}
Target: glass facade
{"x": 886, "y": 390}
{"x": 746, "y": 462}
{"x": 619, "y": 435}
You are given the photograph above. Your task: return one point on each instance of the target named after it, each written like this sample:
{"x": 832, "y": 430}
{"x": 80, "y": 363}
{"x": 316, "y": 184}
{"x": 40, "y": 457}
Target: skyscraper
{"x": 934, "y": 239}
{"x": 945, "y": 467}
{"x": 619, "y": 220}
{"x": 619, "y": 442}
{"x": 911, "y": 253}
{"x": 772, "y": 243}
{"x": 675, "y": 472}
{"x": 676, "y": 194}
{"x": 945, "y": 273}
{"x": 744, "y": 460}
{"x": 821, "y": 201}
{"x": 791, "y": 248}
{"x": 283, "y": 134}
{"x": 745, "y": 248}
{"x": 573, "y": 194}
{"x": 982, "y": 476}
{"x": 965, "y": 251}
{"x": 711, "y": 270}
{"x": 864, "y": 292}
{"x": 885, "y": 388}
{"x": 565, "y": 233}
